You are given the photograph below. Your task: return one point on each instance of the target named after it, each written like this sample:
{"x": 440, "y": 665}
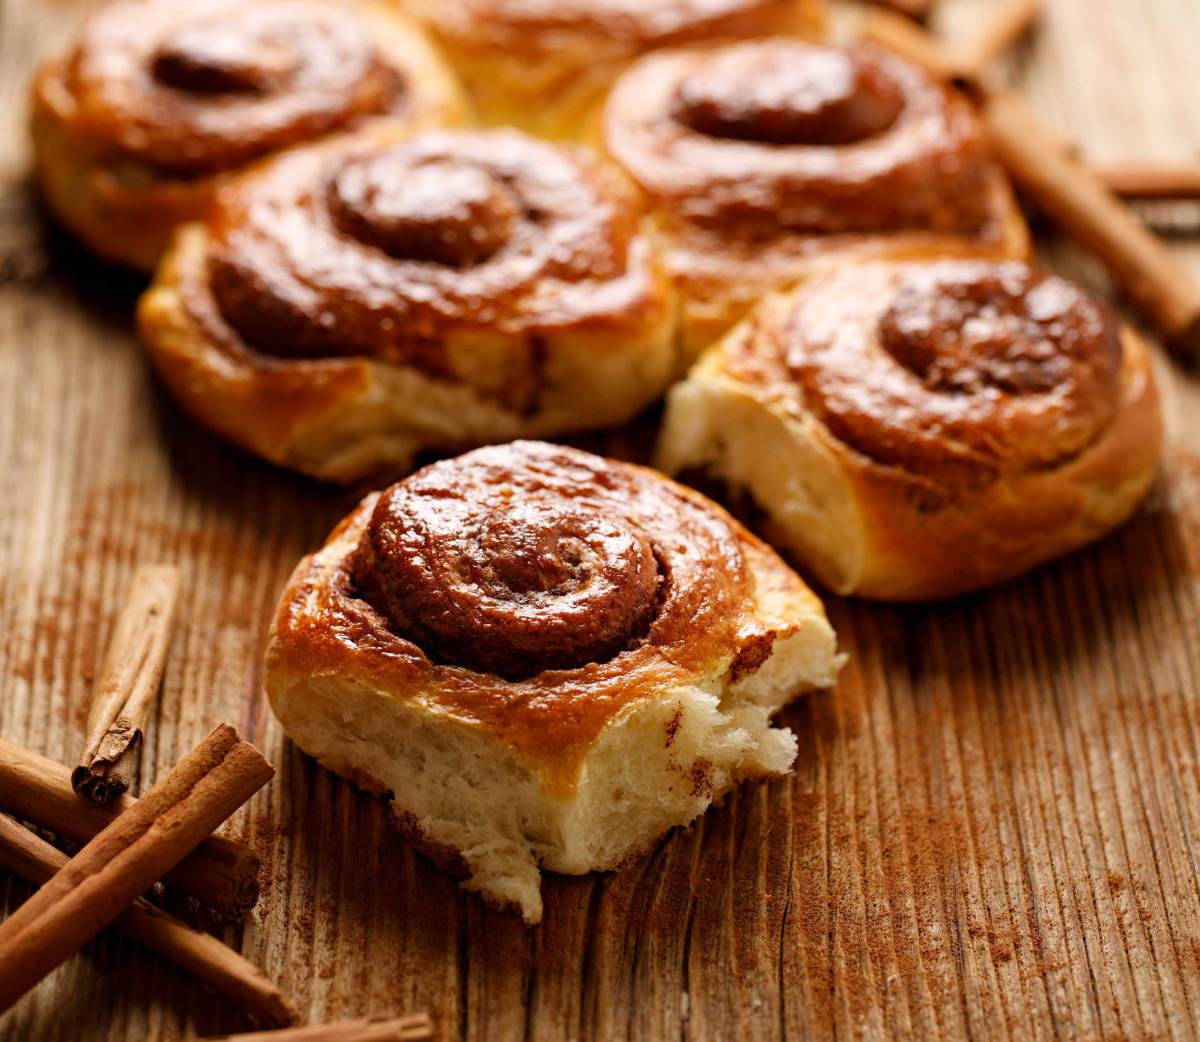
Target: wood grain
{"x": 993, "y": 829}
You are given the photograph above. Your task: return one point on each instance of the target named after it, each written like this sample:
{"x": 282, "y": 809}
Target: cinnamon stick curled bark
{"x": 136, "y": 849}
{"x": 416, "y": 1027}
{"x": 221, "y": 873}
{"x": 199, "y": 953}
{"x": 128, "y": 684}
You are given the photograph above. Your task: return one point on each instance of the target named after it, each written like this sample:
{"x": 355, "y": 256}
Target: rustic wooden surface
{"x": 993, "y": 829}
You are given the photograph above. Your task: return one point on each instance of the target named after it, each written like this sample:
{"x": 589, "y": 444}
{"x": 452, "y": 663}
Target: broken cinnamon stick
{"x": 1150, "y": 180}
{"x": 221, "y": 873}
{"x": 416, "y": 1027}
{"x": 136, "y": 849}
{"x": 199, "y": 953}
{"x": 128, "y": 684}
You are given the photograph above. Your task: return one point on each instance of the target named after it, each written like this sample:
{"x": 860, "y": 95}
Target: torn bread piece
{"x": 547, "y": 658}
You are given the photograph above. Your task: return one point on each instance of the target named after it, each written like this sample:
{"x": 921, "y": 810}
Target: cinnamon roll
{"x": 543, "y": 65}
{"x": 547, "y": 658}
{"x": 917, "y": 430}
{"x": 350, "y": 305}
{"x": 159, "y": 102}
{"x": 767, "y": 159}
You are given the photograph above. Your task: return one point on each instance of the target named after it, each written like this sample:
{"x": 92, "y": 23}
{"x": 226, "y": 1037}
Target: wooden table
{"x": 993, "y": 828}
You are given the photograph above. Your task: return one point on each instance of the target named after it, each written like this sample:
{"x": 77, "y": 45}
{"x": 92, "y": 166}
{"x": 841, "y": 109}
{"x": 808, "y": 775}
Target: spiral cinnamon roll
{"x": 768, "y": 159}
{"x": 547, "y": 658}
{"x": 350, "y": 305}
{"x": 917, "y": 430}
{"x": 159, "y": 102}
{"x": 544, "y": 65}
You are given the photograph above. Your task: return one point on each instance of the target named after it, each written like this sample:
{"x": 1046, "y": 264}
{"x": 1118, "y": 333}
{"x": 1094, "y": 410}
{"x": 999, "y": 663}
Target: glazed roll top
{"x": 781, "y": 136}
{"x": 525, "y": 558}
{"x": 189, "y": 90}
{"x": 352, "y": 304}
{"x": 961, "y": 370}
{"x": 380, "y": 249}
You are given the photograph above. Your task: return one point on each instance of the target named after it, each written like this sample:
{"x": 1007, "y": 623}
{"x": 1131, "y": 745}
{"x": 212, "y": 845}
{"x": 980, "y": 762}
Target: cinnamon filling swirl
{"x": 522, "y": 558}
{"x": 376, "y": 249}
{"x": 779, "y": 135}
{"x": 827, "y": 99}
{"x": 506, "y": 577}
{"x": 955, "y": 365}
{"x": 189, "y": 93}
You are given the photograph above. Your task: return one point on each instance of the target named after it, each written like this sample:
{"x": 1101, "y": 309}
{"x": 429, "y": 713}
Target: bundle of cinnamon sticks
{"x": 129, "y": 844}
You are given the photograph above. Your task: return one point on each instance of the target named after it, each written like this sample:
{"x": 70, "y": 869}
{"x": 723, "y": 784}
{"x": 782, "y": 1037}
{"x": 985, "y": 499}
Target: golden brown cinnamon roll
{"x": 159, "y": 102}
{"x": 350, "y": 305}
{"x": 546, "y": 657}
{"x": 543, "y": 65}
{"x": 766, "y": 159}
{"x": 917, "y": 430}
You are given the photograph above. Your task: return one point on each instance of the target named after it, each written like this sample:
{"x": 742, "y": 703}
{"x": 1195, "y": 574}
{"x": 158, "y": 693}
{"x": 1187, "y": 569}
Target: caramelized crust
{"x": 762, "y": 158}
{"x": 158, "y": 102}
{"x": 351, "y": 304}
{"x": 918, "y": 430}
{"x": 590, "y": 584}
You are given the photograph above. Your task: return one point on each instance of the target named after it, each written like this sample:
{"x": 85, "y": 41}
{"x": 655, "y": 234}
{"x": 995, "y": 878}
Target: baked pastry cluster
{"x": 767, "y": 159}
{"x": 159, "y": 102}
{"x": 921, "y": 429}
{"x": 351, "y": 305}
{"x": 547, "y": 658}
{"x": 542, "y": 65}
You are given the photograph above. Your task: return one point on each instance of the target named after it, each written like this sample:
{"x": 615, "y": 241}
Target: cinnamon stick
{"x": 116, "y": 867}
{"x": 1151, "y": 180}
{"x": 416, "y": 1027}
{"x": 1067, "y": 191}
{"x": 221, "y": 873}
{"x": 199, "y": 953}
{"x": 1075, "y": 198}
{"x": 128, "y": 684}
{"x": 1008, "y": 21}
{"x": 904, "y": 37}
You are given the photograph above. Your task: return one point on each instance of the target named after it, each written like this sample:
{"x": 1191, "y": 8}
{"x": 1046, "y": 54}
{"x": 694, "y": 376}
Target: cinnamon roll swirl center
{"x": 1003, "y": 327}
{"x": 193, "y": 89}
{"x": 956, "y": 369}
{"x": 386, "y": 250}
{"x": 215, "y": 57}
{"x": 452, "y": 213}
{"x": 508, "y": 577}
{"x": 814, "y": 96}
